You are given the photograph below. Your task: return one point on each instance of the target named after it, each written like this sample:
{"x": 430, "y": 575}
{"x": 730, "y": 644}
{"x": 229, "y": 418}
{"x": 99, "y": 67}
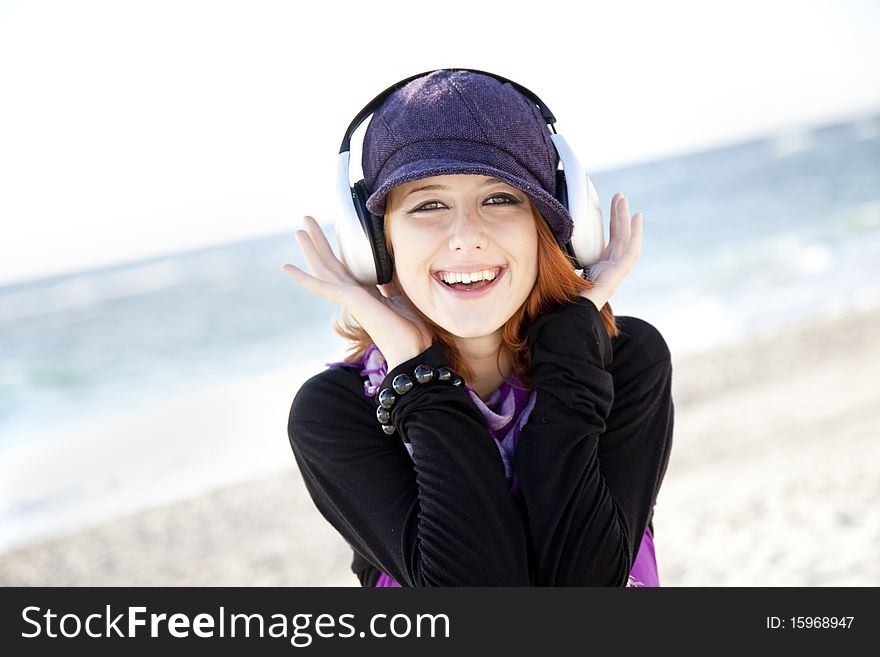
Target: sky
{"x": 135, "y": 129}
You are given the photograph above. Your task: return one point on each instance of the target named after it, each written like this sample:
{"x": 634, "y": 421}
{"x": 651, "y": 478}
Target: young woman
{"x": 494, "y": 424}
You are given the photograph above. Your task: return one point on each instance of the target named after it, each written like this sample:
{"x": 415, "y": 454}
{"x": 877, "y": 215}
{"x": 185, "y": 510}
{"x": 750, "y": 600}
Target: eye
{"x": 428, "y": 206}
{"x": 501, "y": 199}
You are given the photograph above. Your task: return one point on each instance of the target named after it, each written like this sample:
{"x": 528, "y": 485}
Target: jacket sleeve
{"x": 446, "y": 517}
{"x": 586, "y": 507}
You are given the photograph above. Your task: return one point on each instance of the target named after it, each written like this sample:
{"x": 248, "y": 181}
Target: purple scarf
{"x": 506, "y": 411}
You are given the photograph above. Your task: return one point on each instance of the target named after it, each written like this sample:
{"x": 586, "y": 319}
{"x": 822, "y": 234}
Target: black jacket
{"x": 590, "y": 462}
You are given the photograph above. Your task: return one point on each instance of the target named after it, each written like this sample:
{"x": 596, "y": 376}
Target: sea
{"x": 739, "y": 240}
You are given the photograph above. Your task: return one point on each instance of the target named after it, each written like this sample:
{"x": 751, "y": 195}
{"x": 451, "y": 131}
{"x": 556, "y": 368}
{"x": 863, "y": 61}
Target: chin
{"x": 470, "y": 329}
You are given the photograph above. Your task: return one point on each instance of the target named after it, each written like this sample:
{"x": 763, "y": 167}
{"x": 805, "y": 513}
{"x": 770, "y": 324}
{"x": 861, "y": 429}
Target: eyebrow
{"x": 423, "y": 188}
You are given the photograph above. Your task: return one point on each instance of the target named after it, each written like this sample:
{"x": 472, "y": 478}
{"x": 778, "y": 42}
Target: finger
{"x": 624, "y": 227}
{"x": 312, "y": 284}
{"x": 323, "y": 247}
{"x": 614, "y": 200}
{"x": 388, "y": 290}
{"x": 313, "y": 258}
{"x": 615, "y": 217}
{"x": 638, "y": 229}
{"x": 634, "y": 248}
{"x": 374, "y": 292}
{"x": 612, "y": 250}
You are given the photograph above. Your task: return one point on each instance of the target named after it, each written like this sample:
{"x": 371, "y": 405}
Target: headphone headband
{"x": 374, "y": 104}
{"x": 360, "y": 235}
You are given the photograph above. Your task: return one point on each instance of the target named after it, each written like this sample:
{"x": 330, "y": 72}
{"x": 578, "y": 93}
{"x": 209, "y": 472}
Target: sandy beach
{"x": 773, "y": 481}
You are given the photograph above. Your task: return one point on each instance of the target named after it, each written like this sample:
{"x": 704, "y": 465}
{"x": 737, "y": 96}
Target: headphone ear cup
{"x": 561, "y": 188}
{"x": 562, "y": 197}
{"x": 375, "y": 230}
{"x": 384, "y": 265}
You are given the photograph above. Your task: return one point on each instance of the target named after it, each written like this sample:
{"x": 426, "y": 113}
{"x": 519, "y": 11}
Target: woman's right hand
{"x": 619, "y": 256}
{"x": 398, "y": 332}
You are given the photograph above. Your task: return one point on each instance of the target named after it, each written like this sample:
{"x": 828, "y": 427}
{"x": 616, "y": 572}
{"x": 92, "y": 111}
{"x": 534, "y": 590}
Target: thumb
{"x": 388, "y": 290}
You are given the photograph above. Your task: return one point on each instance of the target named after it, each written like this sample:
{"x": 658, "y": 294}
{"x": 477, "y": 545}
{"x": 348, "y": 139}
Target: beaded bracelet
{"x": 402, "y": 384}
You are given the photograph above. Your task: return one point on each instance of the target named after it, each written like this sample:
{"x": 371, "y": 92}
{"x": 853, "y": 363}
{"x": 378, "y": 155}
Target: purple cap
{"x": 460, "y": 122}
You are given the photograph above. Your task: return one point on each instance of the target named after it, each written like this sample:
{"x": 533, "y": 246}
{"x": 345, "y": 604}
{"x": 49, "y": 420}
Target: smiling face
{"x": 465, "y": 250}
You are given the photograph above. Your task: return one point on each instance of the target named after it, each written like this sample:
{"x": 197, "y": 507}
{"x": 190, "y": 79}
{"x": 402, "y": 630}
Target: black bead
{"x": 389, "y": 428}
{"x": 456, "y": 381}
{"x": 383, "y": 415}
{"x": 386, "y": 398}
{"x": 424, "y": 373}
{"x": 443, "y": 374}
{"x": 401, "y": 384}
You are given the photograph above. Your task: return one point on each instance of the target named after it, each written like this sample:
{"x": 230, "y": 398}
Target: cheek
{"x": 528, "y": 275}
{"x": 413, "y": 254}
{"x": 531, "y": 275}
{"x": 412, "y": 274}
{"x": 527, "y": 255}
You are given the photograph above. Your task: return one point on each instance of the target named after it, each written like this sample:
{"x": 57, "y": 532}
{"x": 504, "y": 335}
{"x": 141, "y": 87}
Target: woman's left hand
{"x": 619, "y": 256}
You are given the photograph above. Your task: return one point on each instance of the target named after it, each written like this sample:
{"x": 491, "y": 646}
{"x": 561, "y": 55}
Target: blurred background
{"x": 156, "y": 158}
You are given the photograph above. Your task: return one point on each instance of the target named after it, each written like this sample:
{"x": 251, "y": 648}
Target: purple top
{"x": 506, "y": 411}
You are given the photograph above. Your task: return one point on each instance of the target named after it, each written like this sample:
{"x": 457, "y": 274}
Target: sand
{"x": 773, "y": 481}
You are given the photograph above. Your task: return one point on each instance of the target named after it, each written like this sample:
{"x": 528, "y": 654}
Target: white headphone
{"x": 360, "y": 235}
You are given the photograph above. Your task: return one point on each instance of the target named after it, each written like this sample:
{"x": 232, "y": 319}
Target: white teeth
{"x": 472, "y": 277}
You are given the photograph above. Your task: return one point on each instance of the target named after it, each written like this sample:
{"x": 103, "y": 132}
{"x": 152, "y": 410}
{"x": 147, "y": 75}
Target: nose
{"x": 468, "y": 233}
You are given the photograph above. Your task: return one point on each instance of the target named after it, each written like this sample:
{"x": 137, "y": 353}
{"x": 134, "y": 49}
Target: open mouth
{"x": 470, "y": 284}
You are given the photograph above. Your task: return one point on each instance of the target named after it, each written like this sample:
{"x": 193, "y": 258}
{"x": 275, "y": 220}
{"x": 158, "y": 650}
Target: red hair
{"x": 556, "y": 283}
